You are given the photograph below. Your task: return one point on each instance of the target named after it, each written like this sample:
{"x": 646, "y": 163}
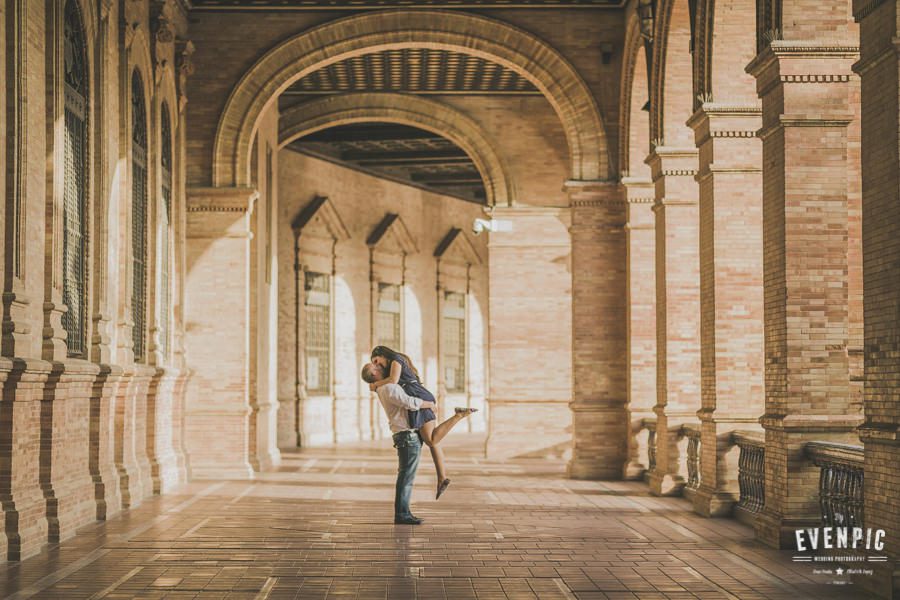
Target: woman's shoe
{"x": 463, "y": 409}
{"x": 441, "y": 487}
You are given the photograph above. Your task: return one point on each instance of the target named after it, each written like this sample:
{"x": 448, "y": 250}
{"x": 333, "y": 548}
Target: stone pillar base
{"x": 666, "y": 484}
{"x": 633, "y": 470}
{"x": 107, "y": 494}
{"x": 602, "y": 447}
{"x": 65, "y": 443}
{"x": 228, "y": 458}
{"x": 132, "y": 463}
{"x": 24, "y": 507}
{"x": 711, "y": 503}
{"x": 777, "y": 531}
{"x": 587, "y": 467}
{"x": 166, "y": 471}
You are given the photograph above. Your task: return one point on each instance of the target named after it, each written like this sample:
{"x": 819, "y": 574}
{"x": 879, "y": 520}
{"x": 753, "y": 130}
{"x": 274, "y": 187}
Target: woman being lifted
{"x": 400, "y": 370}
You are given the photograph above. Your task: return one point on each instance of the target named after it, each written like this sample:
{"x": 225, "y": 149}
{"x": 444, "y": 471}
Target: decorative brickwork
{"x": 599, "y": 331}
{"x": 677, "y": 316}
{"x": 217, "y": 397}
{"x": 531, "y": 276}
{"x": 731, "y": 298}
{"x": 807, "y": 105}
{"x": 641, "y": 262}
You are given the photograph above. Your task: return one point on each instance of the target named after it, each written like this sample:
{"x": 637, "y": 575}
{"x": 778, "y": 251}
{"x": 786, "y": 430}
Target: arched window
{"x": 75, "y": 182}
{"x": 164, "y": 225}
{"x": 138, "y": 214}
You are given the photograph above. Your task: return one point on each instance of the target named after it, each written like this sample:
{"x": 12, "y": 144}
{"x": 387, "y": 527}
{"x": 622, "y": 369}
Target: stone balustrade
{"x": 840, "y": 482}
{"x": 751, "y": 473}
{"x": 692, "y": 432}
{"x": 650, "y": 425}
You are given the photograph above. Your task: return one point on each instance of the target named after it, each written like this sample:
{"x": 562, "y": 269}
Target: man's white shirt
{"x": 396, "y": 402}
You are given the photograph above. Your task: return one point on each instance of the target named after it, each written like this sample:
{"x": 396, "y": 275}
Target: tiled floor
{"x": 321, "y": 528}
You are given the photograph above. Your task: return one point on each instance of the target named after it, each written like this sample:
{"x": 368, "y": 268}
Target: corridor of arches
{"x": 632, "y": 233}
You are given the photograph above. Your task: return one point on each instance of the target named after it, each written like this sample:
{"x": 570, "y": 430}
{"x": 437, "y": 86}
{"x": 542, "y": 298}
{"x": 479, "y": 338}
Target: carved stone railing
{"x": 751, "y": 470}
{"x": 650, "y": 426}
{"x": 840, "y": 482}
{"x": 692, "y": 432}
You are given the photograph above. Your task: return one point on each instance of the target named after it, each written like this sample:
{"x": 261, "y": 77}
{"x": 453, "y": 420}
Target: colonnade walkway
{"x": 321, "y": 527}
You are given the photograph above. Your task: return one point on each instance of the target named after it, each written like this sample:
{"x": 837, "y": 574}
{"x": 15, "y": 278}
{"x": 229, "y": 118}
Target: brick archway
{"x": 407, "y": 110}
{"x": 671, "y": 90}
{"x": 362, "y": 34}
{"x": 634, "y": 125}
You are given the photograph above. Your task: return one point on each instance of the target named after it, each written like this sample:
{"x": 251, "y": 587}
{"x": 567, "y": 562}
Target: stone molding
{"x": 392, "y": 227}
{"x": 811, "y": 423}
{"x": 803, "y": 121}
{"x": 508, "y": 401}
{"x": 780, "y": 52}
{"x": 216, "y": 199}
{"x": 323, "y": 209}
{"x": 457, "y": 243}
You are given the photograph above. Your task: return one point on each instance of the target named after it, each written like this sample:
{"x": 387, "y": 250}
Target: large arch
{"x": 634, "y": 121}
{"x": 671, "y": 92}
{"x": 723, "y": 46}
{"x": 405, "y": 109}
{"x": 362, "y": 34}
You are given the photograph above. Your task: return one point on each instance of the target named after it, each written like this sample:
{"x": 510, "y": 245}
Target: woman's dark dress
{"x": 412, "y": 386}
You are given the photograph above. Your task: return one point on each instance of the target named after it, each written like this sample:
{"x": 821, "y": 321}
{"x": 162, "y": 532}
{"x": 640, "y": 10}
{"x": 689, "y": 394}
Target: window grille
{"x": 387, "y": 316}
{"x": 138, "y": 214}
{"x": 75, "y": 182}
{"x": 454, "y": 341}
{"x": 165, "y": 221}
{"x": 317, "y": 313}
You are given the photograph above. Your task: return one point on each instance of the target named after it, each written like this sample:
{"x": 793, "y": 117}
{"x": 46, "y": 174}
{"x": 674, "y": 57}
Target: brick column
{"x": 731, "y": 294}
{"x": 217, "y": 345}
{"x": 878, "y": 69}
{"x": 677, "y": 310}
{"x": 529, "y": 293}
{"x": 807, "y": 92}
{"x": 640, "y": 241}
{"x": 599, "y": 330}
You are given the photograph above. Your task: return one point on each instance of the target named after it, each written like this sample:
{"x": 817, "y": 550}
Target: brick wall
{"x": 65, "y": 439}
{"x": 880, "y": 89}
{"x": 361, "y": 201}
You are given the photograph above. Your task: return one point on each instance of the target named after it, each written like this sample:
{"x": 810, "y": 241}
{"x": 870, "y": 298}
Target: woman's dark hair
{"x": 392, "y": 355}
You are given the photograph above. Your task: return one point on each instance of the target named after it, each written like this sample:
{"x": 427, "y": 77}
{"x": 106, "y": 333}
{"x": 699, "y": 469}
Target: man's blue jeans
{"x": 409, "y": 446}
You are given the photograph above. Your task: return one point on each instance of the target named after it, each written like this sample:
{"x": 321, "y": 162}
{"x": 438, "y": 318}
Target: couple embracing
{"x": 410, "y": 411}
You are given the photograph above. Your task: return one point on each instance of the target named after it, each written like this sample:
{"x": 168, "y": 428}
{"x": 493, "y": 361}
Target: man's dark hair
{"x": 368, "y": 373}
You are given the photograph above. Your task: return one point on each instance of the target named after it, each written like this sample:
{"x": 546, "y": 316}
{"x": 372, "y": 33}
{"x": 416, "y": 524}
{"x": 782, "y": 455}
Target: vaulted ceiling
{"x": 414, "y": 71}
{"x": 401, "y": 153}
{"x": 405, "y": 154}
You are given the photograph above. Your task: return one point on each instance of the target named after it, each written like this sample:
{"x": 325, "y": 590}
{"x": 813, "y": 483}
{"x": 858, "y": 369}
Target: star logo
{"x": 839, "y": 571}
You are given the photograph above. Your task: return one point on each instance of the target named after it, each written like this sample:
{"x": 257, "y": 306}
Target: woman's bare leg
{"x": 427, "y": 432}
{"x": 444, "y": 428}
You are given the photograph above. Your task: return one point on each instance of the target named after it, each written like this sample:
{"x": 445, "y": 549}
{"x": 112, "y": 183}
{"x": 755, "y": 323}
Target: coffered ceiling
{"x": 415, "y": 71}
{"x": 401, "y": 153}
